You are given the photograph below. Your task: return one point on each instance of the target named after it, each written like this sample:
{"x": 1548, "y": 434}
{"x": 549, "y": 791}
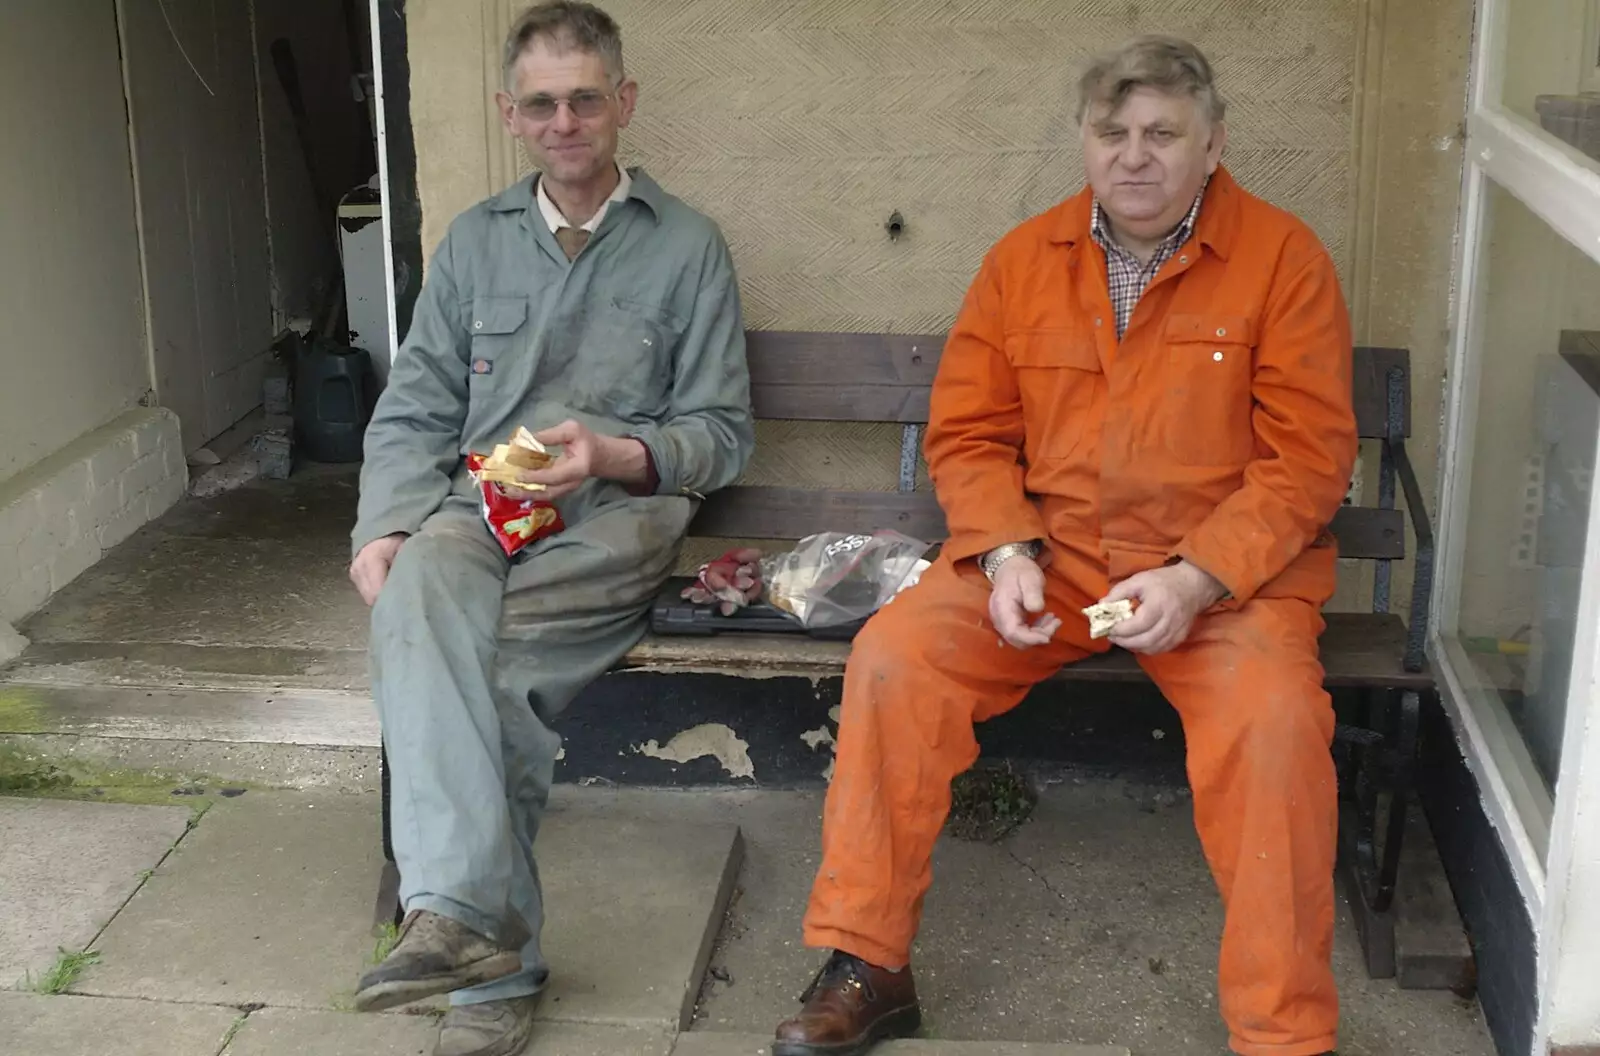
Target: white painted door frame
{"x": 1561, "y": 883}
{"x": 382, "y": 129}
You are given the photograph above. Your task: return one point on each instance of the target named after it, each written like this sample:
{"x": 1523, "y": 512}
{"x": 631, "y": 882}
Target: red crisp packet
{"x": 515, "y": 518}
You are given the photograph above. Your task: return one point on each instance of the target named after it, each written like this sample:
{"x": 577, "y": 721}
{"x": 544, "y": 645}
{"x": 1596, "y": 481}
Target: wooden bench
{"x": 828, "y": 377}
{"x": 1378, "y": 656}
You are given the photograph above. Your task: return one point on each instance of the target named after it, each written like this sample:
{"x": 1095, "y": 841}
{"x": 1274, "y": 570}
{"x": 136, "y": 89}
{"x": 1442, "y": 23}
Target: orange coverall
{"x": 1219, "y": 430}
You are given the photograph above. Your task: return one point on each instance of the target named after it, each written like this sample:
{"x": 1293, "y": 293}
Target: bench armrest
{"x": 1422, "y": 561}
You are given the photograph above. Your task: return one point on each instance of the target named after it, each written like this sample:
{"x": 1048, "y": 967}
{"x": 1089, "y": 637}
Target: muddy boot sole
{"x": 392, "y": 993}
{"x": 901, "y": 1023}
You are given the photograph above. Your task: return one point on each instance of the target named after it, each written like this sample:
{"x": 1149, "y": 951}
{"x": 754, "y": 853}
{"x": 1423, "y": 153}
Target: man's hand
{"x": 371, "y": 566}
{"x": 586, "y": 454}
{"x": 1169, "y": 600}
{"x": 1018, "y": 594}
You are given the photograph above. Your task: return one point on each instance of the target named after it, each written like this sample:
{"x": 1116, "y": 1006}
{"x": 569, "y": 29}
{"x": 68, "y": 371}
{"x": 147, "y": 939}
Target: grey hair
{"x": 566, "y": 25}
{"x": 1167, "y": 64}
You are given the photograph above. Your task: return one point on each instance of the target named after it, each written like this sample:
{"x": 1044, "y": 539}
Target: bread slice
{"x": 524, "y": 452}
{"x": 1104, "y": 617}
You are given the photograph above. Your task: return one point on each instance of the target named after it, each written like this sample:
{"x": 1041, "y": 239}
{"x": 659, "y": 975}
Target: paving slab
{"x": 275, "y": 1031}
{"x": 269, "y": 900}
{"x": 65, "y": 868}
{"x": 636, "y": 891}
{"x": 272, "y": 1031}
{"x": 710, "y": 1044}
{"x": 91, "y": 1026}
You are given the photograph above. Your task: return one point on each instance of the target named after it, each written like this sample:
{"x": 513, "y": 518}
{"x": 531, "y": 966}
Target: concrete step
{"x": 268, "y": 902}
{"x": 709, "y": 1044}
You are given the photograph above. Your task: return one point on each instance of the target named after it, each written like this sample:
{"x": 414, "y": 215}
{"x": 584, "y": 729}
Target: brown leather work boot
{"x": 434, "y": 955}
{"x": 848, "y": 1008}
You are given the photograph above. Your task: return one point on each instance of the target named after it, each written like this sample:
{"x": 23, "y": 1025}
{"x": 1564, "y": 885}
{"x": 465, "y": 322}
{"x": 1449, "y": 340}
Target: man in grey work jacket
{"x": 602, "y": 313}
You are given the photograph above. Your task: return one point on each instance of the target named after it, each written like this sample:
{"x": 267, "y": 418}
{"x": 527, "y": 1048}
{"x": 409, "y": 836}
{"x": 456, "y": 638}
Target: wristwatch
{"x": 991, "y": 562}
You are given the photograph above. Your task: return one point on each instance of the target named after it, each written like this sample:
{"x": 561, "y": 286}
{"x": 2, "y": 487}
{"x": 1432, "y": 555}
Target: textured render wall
{"x": 58, "y": 516}
{"x": 1410, "y": 109}
{"x": 800, "y": 127}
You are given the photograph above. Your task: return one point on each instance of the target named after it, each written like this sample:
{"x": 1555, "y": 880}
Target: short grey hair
{"x": 566, "y": 25}
{"x": 1167, "y": 64}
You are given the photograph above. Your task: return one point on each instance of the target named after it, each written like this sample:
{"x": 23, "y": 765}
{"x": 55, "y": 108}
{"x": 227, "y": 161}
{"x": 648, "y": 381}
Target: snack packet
{"x": 511, "y": 510}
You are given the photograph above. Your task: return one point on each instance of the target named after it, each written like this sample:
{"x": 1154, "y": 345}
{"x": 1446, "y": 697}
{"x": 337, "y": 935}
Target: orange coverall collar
{"x": 1216, "y": 228}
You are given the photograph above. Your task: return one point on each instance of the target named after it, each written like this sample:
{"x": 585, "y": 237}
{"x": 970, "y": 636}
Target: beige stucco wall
{"x": 800, "y": 127}
{"x": 72, "y": 354}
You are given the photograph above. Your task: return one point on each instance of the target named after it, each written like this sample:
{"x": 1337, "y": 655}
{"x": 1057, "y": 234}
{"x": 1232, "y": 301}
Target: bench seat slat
{"x": 1358, "y": 649}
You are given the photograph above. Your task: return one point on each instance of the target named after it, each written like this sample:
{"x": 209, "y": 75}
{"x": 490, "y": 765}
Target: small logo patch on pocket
{"x": 483, "y": 366}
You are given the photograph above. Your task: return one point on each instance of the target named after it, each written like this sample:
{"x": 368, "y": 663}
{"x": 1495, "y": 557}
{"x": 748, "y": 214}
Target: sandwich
{"x": 508, "y": 460}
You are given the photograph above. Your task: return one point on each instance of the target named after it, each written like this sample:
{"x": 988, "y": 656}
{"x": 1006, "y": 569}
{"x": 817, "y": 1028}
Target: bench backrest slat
{"x": 793, "y": 513}
{"x": 844, "y": 377}
{"x": 840, "y": 377}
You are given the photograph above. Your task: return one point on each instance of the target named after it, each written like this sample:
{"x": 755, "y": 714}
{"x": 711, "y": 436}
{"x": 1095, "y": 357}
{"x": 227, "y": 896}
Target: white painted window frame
{"x": 1562, "y": 187}
{"x": 1591, "y": 36}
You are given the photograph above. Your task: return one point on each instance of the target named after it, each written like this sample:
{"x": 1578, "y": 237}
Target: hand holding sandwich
{"x": 586, "y": 454}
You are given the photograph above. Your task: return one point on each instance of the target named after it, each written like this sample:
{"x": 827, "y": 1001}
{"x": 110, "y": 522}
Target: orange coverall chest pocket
{"x": 1058, "y": 373}
{"x": 1208, "y": 398}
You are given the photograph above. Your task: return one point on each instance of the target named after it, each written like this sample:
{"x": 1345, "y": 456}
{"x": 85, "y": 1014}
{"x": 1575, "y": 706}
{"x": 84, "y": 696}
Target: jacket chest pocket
{"x": 498, "y": 327}
{"x": 1207, "y": 407}
{"x": 620, "y": 364}
{"x": 1058, "y": 375}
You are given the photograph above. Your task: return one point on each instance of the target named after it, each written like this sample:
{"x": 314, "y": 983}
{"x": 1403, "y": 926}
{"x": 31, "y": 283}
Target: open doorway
{"x": 255, "y": 137}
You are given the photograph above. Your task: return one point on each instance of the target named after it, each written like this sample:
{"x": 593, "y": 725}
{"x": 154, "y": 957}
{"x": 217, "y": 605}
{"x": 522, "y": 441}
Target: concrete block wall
{"x": 60, "y": 515}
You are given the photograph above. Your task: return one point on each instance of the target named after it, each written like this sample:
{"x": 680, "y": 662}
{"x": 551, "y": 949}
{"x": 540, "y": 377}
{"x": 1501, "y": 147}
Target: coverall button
{"x": 477, "y": 324}
{"x": 1217, "y": 356}
{"x": 1221, "y": 332}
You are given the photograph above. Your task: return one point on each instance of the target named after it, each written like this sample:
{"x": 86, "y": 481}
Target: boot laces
{"x": 842, "y": 969}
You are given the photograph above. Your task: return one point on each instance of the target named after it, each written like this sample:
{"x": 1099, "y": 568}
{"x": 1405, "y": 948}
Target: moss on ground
{"x": 25, "y": 774}
{"x": 21, "y": 711}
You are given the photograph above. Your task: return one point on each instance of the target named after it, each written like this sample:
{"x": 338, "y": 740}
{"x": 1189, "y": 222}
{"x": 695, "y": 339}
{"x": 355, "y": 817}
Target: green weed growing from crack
{"x": 989, "y": 801}
{"x": 62, "y": 974}
{"x": 227, "y": 1039}
{"x": 388, "y": 935}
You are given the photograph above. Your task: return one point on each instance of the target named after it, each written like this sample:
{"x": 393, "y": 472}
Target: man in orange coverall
{"x": 1146, "y": 396}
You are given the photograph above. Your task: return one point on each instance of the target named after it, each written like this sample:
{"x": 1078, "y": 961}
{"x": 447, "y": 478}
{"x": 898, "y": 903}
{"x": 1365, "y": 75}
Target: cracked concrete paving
{"x": 1095, "y": 922}
{"x": 65, "y": 870}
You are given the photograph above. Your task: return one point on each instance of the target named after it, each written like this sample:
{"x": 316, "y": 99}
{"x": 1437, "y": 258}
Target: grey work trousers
{"x": 473, "y": 657}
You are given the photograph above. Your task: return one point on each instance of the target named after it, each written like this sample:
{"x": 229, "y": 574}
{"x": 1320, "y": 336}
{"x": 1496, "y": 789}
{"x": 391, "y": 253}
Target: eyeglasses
{"x": 584, "y": 103}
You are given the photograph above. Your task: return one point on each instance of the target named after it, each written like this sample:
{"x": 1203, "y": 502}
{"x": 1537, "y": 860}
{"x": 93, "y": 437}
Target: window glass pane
{"x": 1552, "y": 68}
{"x": 1533, "y": 452}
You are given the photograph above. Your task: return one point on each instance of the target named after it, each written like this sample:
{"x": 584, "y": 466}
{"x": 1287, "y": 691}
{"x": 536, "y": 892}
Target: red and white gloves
{"x": 732, "y": 581}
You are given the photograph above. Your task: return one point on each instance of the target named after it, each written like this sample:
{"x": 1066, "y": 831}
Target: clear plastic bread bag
{"x": 834, "y": 578}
